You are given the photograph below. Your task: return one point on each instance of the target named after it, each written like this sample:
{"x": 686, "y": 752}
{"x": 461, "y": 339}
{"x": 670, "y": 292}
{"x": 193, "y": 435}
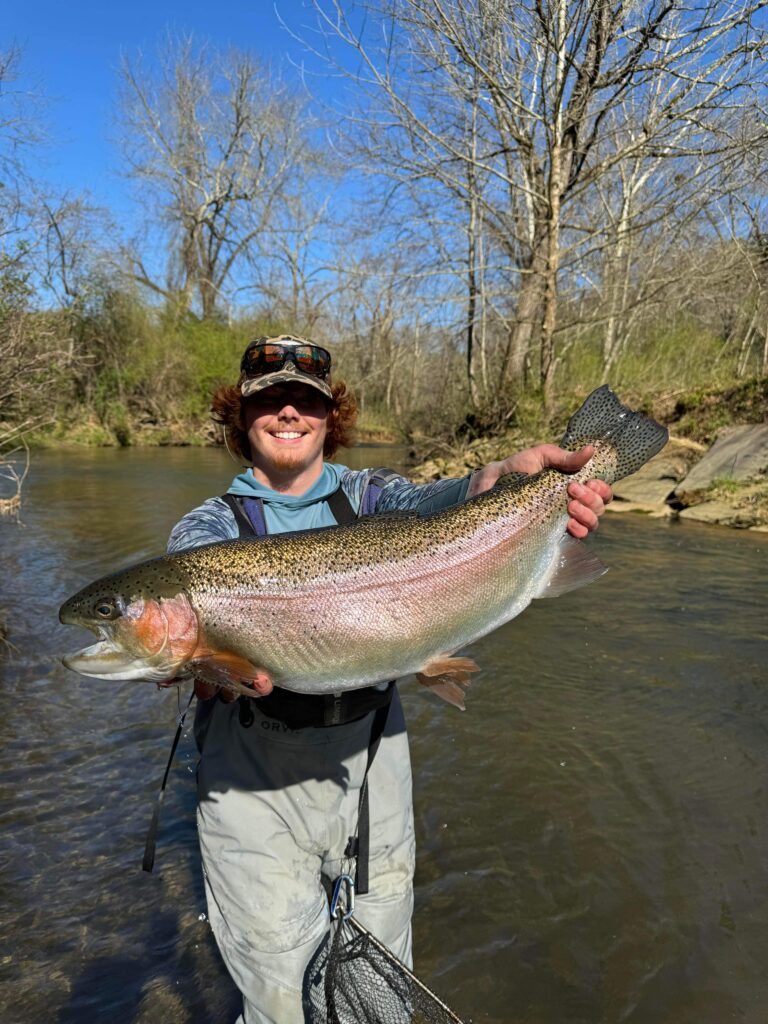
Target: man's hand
{"x": 588, "y": 500}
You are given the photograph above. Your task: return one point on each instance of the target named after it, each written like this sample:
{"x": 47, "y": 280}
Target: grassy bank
{"x": 91, "y": 433}
{"x": 696, "y": 415}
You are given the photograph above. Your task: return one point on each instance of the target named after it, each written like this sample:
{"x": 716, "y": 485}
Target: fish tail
{"x": 635, "y": 438}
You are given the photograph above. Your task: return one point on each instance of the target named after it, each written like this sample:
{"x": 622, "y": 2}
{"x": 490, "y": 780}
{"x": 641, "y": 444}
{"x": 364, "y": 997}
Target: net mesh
{"x": 362, "y": 982}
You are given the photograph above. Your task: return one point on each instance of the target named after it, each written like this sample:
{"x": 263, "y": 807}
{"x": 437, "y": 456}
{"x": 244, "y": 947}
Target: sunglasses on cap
{"x": 271, "y": 356}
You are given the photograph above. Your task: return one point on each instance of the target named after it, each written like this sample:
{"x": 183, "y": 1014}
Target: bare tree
{"x": 212, "y": 143}
{"x": 292, "y": 264}
{"x": 19, "y": 133}
{"x": 734, "y": 306}
{"x": 72, "y": 257}
{"x": 755, "y": 334}
{"x": 20, "y": 120}
{"x": 554, "y": 85}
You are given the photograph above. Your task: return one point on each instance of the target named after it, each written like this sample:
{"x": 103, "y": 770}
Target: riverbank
{"x": 713, "y": 470}
{"x": 91, "y": 433}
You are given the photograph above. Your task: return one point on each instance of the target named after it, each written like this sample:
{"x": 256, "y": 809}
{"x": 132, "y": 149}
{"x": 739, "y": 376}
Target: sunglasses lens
{"x": 272, "y": 357}
{"x": 310, "y": 359}
{"x": 264, "y": 359}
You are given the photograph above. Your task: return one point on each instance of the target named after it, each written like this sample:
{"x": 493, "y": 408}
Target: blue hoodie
{"x": 214, "y": 520}
{"x": 284, "y": 512}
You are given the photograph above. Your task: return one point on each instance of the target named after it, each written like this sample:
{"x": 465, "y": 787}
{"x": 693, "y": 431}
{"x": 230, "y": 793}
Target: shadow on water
{"x": 130, "y": 989}
{"x": 591, "y": 832}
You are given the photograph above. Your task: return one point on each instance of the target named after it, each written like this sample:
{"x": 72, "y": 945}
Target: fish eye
{"x": 106, "y": 610}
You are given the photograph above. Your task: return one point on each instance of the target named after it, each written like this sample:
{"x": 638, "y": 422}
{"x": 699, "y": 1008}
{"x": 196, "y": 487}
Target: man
{"x": 279, "y": 779}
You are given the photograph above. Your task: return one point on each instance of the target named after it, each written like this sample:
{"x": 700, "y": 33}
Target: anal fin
{"x": 447, "y": 665}
{"x": 448, "y": 678}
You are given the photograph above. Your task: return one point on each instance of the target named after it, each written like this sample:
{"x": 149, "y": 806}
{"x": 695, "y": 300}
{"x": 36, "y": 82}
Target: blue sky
{"x": 70, "y": 54}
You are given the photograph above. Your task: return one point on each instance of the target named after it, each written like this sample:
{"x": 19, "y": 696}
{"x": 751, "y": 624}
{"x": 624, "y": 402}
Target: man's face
{"x": 286, "y": 427}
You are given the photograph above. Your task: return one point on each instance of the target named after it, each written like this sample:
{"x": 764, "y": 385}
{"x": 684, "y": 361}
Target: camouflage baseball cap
{"x": 284, "y": 359}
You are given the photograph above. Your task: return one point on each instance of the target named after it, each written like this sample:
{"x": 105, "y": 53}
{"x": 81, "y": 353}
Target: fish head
{"x": 144, "y": 631}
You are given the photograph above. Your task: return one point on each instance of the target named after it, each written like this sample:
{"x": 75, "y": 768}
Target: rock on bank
{"x": 726, "y": 484}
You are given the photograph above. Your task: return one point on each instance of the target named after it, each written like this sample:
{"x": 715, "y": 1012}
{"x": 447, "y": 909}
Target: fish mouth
{"x": 108, "y": 659}
{"x": 122, "y": 651}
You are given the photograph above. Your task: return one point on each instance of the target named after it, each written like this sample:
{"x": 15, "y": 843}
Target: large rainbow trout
{"x": 348, "y": 606}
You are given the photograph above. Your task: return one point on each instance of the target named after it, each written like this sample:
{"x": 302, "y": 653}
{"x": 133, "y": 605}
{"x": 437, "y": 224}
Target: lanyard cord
{"x": 151, "y": 843}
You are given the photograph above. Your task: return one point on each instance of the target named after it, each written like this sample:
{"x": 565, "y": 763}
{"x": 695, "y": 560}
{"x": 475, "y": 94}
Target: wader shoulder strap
{"x": 248, "y": 513}
{"x": 377, "y": 481}
{"x": 358, "y": 845}
{"x": 341, "y": 507}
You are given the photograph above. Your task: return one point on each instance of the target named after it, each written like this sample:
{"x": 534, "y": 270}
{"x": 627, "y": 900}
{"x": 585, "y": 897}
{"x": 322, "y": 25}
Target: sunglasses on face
{"x": 273, "y": 356}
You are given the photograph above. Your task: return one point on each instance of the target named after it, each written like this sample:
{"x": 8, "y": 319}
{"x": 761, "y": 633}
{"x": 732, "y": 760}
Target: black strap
{"x": 358, "y": 845}
{"x": 255, "y": 526}
{"x": 235, "y": 504}
{"x": 341, "y": 507}
{"x": 149, "y": 847}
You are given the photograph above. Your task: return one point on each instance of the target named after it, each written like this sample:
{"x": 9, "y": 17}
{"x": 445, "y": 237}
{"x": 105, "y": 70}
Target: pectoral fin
{"x": 448, "y": 678}
{"x": 230, "y": 671}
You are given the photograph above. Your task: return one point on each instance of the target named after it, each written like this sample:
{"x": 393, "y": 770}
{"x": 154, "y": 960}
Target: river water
{"x": 591, "y": 832}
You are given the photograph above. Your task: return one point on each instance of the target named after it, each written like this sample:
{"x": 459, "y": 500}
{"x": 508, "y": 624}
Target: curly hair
{"x": 227, "y": 409}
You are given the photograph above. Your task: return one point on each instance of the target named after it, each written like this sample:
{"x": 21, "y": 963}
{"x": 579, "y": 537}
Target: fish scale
{"x": 348, "y": 606}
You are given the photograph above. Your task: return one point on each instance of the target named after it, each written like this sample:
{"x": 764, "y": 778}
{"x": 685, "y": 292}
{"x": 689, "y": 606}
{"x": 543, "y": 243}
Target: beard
{"x": 288, "y": 460}
{"x": 293, "y": 460}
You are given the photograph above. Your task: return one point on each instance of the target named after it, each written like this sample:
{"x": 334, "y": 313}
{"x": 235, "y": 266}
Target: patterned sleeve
{"x": 209, "y": 522}
{"x": 400, "y": 495}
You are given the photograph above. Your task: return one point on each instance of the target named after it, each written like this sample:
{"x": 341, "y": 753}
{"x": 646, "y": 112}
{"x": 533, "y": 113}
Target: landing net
{"x": 365, "y": 983}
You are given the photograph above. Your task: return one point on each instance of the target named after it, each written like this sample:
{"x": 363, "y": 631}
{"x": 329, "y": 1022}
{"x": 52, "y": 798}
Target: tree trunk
{"x": 207, "y": 291}
{"x": 549, "y": 320}
{"x": 471, "y": 314}
{"x": 528, "y": 311}
{"x": 557, "y": 176}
